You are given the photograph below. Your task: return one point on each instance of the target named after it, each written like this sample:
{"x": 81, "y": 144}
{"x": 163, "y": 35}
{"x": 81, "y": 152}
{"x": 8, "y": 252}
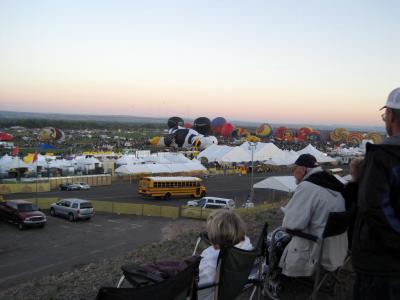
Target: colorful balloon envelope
{"x": 5, "y": 137}
{"x": 227, "y": 129}
{"x": 375, "y": 137}
{"x": 355, "y": 138}
{"x": 264, "y": 130}
{"x": 217, "y": 123}
{"x": 51, "y": 133}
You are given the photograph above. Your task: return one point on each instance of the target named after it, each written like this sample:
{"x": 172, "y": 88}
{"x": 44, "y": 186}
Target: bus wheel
{"x": 167, "y": 196}
{"x": 203, "y": 194}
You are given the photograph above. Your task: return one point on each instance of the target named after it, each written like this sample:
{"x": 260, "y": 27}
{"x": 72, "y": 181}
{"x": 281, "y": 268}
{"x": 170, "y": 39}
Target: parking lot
{"x": 232, "y": 186}
{"x": 62, "y": 245}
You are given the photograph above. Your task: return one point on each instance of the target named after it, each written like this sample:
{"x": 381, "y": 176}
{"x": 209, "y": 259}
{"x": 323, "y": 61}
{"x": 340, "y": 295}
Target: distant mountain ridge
{"x": 150, "y": 120}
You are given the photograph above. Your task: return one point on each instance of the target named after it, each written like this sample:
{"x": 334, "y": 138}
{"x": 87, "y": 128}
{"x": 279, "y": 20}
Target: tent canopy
{"x": 280, "y": 183}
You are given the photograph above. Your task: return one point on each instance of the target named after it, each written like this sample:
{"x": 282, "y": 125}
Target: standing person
{"x": 376, "y": 240}
{"x": 350, "y": 193}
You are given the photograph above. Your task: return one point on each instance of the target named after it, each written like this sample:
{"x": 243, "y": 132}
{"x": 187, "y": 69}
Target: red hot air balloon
{"x": 5, "y": 137}
{"x": 227, "y": 129}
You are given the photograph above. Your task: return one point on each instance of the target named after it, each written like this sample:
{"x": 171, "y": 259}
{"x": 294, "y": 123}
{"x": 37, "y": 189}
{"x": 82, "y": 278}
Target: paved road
{"x": 62, "y": 245}
{"x": 231, "y": 186}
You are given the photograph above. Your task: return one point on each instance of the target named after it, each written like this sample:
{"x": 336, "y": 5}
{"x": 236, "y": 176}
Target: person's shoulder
{"x": 210, "y": 251}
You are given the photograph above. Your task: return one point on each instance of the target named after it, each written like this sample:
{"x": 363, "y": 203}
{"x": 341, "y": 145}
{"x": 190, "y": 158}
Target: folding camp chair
{"x": 337, "y": 224}
{"x": 178, "y": 287}
{"x": 238, "y": 269}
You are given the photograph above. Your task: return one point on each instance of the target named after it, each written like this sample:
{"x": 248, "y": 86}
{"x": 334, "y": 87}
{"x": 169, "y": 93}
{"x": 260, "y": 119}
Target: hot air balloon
{"x": 314, "y": 136}
{"x": 174, "y": 122}
{"x": 239, "y": 132}
{"x": 264, "y": 130}
{"x": 339, "y": 135}
{"x": 284, "y": 134}
{"x": 51, "y": 133}
{"x": 227, "y": 129}
{"x": 5, "y": 137}
{"x": 217, "y": 123}
{"x": 185, "y": 138}
{"x": 288, "y": 135}
{"x": 355, "y": 138}
{"x": 302, "y": 133}
{"x": 375, "y": 137}
{"x": 202, "y": 125}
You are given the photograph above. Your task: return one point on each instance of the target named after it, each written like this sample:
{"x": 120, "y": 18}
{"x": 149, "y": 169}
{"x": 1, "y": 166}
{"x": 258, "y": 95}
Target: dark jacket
{"x": 376, "y": 237}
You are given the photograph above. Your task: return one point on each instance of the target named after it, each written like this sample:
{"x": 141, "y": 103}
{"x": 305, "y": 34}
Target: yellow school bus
{"x": 168, "y": 187}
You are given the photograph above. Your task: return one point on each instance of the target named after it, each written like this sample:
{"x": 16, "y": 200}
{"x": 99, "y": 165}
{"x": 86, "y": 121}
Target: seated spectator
{"x": 224, "y": 229}
{"x": 317, "y": 194}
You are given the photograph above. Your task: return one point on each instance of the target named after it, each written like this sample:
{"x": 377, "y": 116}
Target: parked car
{"x": 22, "y": 213}
{"x": 82, "y": 185}
{"x": 74, "y": 186}
{"x": 69, "y": 187}
{"x": 213, "y": 202}
{"x": 73, "y": 209}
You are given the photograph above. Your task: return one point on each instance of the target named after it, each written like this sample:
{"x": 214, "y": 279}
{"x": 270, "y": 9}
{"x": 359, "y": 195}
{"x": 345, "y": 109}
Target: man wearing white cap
{"x": 376, "y": 237}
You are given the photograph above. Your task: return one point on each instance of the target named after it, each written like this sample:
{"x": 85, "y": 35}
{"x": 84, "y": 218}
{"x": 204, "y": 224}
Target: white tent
{"x": 280, "y": 183}
{"x": 262, "y": 151}
{"x": 158, "y": 168}
{"x": 225, "y": 154}
{"x": 285, "y": 158}
{"x": 133, "y": 169}
{"x": 320, "y": 156}
{"x": 14, "y": 163}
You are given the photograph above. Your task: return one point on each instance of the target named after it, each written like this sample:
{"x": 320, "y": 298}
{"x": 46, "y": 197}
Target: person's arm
{"x": 375, "y": 203}
{"x": 299, "y": 209}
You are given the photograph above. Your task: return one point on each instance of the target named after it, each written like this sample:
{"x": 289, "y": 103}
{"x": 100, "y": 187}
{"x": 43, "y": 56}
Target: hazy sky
{"x": 311, "y": 62}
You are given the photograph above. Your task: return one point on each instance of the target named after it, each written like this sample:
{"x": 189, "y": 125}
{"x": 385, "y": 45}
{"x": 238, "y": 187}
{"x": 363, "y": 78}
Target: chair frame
{"x": 337, "y": 224}
{"x": 257, "y": 274}
{"x": 171, "y": 286}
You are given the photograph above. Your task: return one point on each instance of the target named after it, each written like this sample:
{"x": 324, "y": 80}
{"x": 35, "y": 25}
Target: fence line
{"x": 148, "y": 209}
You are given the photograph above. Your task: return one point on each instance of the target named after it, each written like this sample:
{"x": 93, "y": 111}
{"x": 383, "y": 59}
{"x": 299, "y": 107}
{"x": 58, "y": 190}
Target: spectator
{"x": 350, "y": 192}
{"x": 224, "y": 229}
{"x": 317, "y": 194}
{"x": 376, "y": 240}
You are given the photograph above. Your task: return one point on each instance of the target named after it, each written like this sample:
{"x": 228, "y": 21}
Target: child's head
{"x": 356, "y": 165}
{"x": 225, "y": 228}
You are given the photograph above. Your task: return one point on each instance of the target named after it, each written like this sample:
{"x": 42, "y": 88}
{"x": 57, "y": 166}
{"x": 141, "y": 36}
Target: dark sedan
{"x": 22, "y": 213}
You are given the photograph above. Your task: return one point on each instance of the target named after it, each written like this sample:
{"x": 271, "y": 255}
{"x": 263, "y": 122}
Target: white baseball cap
{"x": 393, "y": 100}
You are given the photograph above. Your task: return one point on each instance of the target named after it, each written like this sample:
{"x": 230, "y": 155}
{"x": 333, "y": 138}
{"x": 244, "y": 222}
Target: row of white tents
{"x": 157, "y": 163}
{"x": 8, "y": 163}
{"x": 267, "y": 153}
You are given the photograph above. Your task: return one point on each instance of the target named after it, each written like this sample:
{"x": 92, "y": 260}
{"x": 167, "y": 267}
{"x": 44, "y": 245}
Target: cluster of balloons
{"x": 301, "y": 134}
{"x": 341, "y": 135}
{"x": 51, "y": 134}
{"x": 185, "y": 135}
{"x": 204, "y": 126}
{"x": 5, "y": 137}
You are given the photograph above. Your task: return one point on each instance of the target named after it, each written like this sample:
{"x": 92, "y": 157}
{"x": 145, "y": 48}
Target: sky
{"x": 309, "y": 62}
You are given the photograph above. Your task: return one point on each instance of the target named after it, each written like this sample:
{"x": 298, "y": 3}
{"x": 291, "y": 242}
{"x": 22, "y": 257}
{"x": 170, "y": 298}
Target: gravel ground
{"x": 179, "y": 240}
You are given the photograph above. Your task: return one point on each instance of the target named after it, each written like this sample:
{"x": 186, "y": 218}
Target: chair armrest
{"x": 302, "y": 234}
